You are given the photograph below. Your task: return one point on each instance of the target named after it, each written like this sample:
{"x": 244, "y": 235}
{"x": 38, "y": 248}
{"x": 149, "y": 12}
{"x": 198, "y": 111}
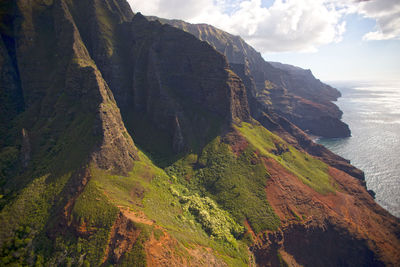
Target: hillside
{"x": 131, "y": 143}
{"x": 285, "y": 99}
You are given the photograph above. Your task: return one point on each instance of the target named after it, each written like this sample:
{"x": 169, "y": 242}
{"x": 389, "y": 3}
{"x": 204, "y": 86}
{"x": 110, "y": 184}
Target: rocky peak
{"x": 63, "y": 88}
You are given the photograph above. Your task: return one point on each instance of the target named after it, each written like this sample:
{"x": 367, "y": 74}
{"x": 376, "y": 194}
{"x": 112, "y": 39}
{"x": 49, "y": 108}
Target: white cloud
{"x": 387, "y": 15}
{"x": 286, "y": 25}
{"x": 171, "y": 9}
{"x": 290, "y": 25}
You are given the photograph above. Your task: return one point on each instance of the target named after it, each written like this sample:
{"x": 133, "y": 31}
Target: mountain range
{"x": 135, "y": 141}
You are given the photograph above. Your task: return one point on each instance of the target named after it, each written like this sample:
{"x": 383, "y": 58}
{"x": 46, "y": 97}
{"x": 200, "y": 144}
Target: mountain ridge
{"x": 309, "y": 98}
{"x": 248, "y": 63}
{"x": 133, "y": 143}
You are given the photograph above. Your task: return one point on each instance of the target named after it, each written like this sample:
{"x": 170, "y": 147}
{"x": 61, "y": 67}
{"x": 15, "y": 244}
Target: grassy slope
{"x": 24, "y": 220}
{"x": 237, "y": 182}
{"x": 309, "y": 170}
{"x": 195, "y": 202}
{"x": 216, "y": 183}
{"x": 160, "y": 198}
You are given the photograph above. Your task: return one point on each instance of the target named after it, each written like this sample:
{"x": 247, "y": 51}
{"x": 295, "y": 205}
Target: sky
{"x": 337, "y": 39}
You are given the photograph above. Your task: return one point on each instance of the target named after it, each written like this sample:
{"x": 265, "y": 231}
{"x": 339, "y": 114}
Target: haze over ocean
{"x": 372, "y": 110}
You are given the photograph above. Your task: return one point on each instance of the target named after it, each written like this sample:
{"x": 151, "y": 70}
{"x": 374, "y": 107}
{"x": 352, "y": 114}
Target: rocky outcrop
{"x": 11, "y": 99}
{"x": 159, "y": 75}
{"x": 291, "y": 92}
{"x": 286, "y": 99}
{"x": 303, "y": 83}
{"x": 25, "y": 149}
{"x": 335, "y": 251}
{"x": 321, "y": 230}
{"x": 124, "y": 234}
{"x": 311, "y": 109}
{"x": 173, "y": 78}
{"x": 63, "y": 89}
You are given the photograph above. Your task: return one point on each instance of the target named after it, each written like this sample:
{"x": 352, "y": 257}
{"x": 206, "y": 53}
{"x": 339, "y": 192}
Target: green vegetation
{"x": 106, "y": 26}
{"x": 93, "y": 209}
{"x": 309, "y": 170}
{"x": 148, "y": 189}
{"x": 201, "y": 199}
{"x": 15, "y": 249}
{"x": 128, "y": 191}
{"x": 215, "y": 222}
{"x": 65, "y": 150}
{"x": 183, "y": 222}
{"x": 23, "y": 220}
{"x": 136, "y": 257}
{"x": 236, "y": 183}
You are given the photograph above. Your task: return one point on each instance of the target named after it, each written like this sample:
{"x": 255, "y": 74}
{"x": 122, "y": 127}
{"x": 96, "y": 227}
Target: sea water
{"x": 372, "y": 110}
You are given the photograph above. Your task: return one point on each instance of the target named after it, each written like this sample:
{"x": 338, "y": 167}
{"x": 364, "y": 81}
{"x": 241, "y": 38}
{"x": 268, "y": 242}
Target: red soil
{"x": 350, "y": 211}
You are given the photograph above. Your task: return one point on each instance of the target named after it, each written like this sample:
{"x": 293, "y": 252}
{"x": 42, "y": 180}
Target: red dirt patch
{"x": 236, "y": 141}
{"x": 166, "y": 251}
{"x": 350, "y": 210}
{"x": 83, "y": 230}
{"x": 249, "y": 229}
{"x": 135, "y": 216}
{"x": 123, "y": 236}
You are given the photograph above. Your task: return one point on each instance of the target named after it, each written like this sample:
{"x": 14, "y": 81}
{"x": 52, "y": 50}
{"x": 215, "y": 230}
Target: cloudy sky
{"x": 336, "y": 39}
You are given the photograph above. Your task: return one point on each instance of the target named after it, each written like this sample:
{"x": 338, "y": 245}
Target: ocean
{"x": 372, "y": 110}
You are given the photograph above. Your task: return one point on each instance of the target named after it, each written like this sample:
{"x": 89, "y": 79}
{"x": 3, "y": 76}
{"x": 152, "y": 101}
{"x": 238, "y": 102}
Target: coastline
{"x": 375, "y": 132}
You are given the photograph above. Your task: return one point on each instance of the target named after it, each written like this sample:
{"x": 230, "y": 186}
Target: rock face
{"x": 158, "y": 81}
{"x": 315, "y": 98}
{"x": 172, "y": 79}
{"x": 303, "y": 83}
{"x": 130, "y": 142}
{"x": 25, "y": 149}
{"x": 285, "y": 99}
{"x": 336, "y": 216}
{"x": 63, "y": 89}
{"x": 290, "y": 91}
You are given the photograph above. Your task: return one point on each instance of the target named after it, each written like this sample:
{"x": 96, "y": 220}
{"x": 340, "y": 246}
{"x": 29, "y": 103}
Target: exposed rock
{"x": 123, "y": 236}
{"x": 303, "y": 83}
{"x": 178, "y": 142}
{"x": 153, "y": 76}
{"x": 25, "y": 149}
{"x": 321, "y": 230}
{"x": 62, "y": 88}
{"x": 292, "y": 92}
{"x": 11, "y": 99}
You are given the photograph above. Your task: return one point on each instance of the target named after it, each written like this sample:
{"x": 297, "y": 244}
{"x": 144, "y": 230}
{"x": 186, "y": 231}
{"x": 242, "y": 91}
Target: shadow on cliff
{"x": 175, "y": 92}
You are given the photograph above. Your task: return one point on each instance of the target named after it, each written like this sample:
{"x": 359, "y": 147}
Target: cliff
{"x": 286, "y": 99}
{"x": 129, "y": 142}
{"x": 290, "y": 91}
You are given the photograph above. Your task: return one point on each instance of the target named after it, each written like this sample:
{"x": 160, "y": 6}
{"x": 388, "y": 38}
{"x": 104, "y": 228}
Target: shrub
{"x": 215, "y": 221}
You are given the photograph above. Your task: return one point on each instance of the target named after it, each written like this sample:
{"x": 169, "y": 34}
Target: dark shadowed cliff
{"x": 128, "y": 142}
{"x": 283, "y": 98}
{"x": 290, "y": 91}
